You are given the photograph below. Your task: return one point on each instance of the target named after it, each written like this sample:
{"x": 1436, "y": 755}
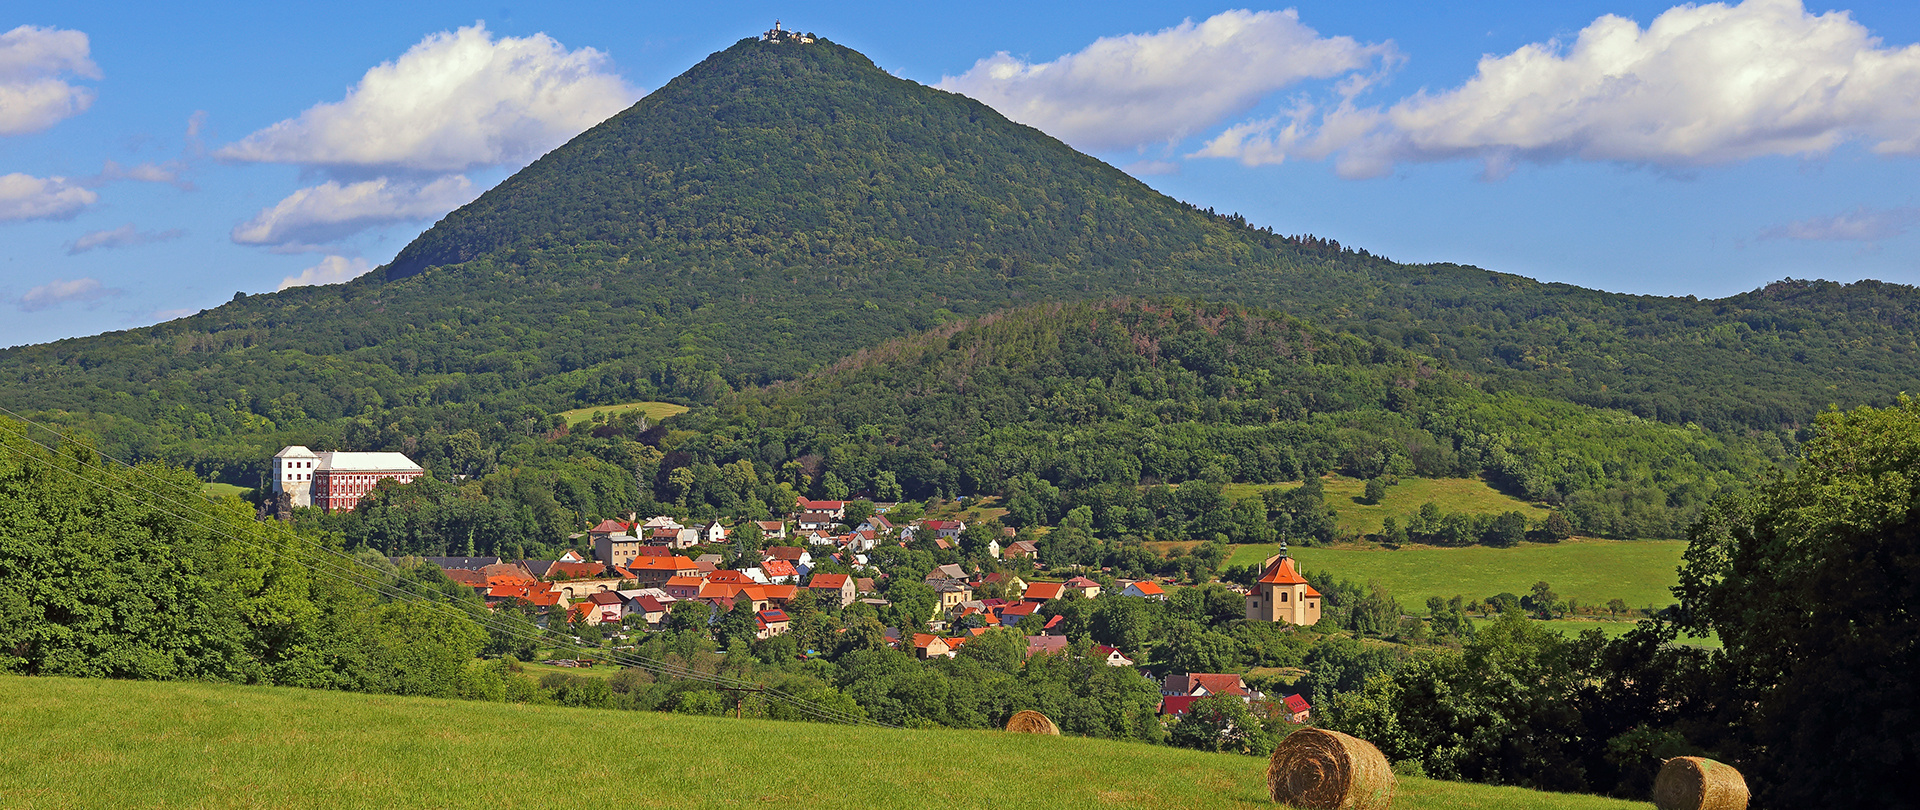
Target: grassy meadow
{"x": 94, "y": 743}
{"x": 1403, "y": 500}
{"x": 655, "y": 411}
{"x": 1590, "y": 571}
{"x": 215, "y": 489}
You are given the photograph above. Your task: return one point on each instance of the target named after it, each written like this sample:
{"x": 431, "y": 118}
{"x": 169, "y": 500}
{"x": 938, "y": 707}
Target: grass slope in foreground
{"x": 179, "y": 744}
{"x": 1591, "y": 571}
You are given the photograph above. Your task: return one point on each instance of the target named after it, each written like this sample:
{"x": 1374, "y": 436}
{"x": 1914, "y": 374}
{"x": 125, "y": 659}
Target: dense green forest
{"x": 1098, "y": 405}
{"x": 1119, "y": 422}
{"x": 777, "y": 208}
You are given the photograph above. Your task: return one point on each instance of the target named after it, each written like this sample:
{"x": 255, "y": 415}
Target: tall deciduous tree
{"x": 1812, "y": 585}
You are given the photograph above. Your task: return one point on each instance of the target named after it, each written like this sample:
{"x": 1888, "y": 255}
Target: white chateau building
{"x": 336, "y": 481}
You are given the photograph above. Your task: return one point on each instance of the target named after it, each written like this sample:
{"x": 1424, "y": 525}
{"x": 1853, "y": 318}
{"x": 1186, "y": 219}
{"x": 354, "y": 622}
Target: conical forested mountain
{"x": 781, "y": 205}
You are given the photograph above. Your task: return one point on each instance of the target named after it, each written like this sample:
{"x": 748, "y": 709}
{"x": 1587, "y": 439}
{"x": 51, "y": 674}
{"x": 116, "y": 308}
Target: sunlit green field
{"x": 112, "y": 744}
{"x": 218, "y": 490}
{"x": 1403, "y": 500}
{"x": 1590, "y": 571}
{"x": 655, "y": 411}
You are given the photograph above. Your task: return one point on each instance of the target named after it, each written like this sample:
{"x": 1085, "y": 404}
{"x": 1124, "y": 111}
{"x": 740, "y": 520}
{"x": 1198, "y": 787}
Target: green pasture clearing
{"x": 1403, "y": 500}
{"x": 655, "y": 411}
{"x": 97, "y": 743}
{"x": 1590, "y": 571}
{"x": 1610, "y": 629}
{"x": 216, "y": 489}
{"x": 537, "y": 670}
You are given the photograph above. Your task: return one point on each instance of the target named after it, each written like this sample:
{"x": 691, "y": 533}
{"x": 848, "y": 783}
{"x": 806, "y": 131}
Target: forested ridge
{"x": 778, "y": 207}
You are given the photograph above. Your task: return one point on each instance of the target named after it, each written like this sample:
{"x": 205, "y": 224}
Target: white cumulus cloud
{"x": 58, "y": 292}
{"x": 455, "y": 101}
{"x": 168, "y": 173}
{"x": 1142, "y": 89}
{"x": 23, "y": 196}
{"x": 331, "y": 211}
{"x": 123, "y": 236}
{"x": 1859, "y": 225}
{"x": 34, "y": 66}
{"x": 330, "y": 270}
{"x": 1700, "y": 85}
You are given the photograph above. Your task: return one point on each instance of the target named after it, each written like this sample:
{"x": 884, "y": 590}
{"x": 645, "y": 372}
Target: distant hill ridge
{"x": 779, "y": 206}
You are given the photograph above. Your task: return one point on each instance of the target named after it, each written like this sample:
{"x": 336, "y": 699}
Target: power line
{"x": 359, "y": 573}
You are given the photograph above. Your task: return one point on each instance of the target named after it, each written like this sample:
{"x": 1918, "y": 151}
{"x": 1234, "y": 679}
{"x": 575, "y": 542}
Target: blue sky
{"x": 156, "y": 160}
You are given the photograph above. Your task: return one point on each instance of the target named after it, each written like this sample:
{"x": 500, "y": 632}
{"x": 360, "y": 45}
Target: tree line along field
{"x": 1609, "y": 629}
{"x": 158, "y": 744}
{"x": 1590, "y": 571}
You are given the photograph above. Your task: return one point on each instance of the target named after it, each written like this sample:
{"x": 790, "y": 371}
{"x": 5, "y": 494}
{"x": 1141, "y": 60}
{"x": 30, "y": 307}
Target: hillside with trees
{"x": 777, "y": 208}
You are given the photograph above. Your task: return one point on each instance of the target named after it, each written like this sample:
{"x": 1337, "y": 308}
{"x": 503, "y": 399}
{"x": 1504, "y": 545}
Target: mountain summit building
{"x": 335, "y": 481}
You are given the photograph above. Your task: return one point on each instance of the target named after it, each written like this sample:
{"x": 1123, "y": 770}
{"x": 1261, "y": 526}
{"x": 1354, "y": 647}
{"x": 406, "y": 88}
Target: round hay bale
{"x": 1032, "y": 722}
{"x": 1695, "y": 783}
{"x": 1316, "y": 769}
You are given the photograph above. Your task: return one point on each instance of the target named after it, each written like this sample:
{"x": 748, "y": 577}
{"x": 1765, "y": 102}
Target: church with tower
{"x": 1282, "y": 594}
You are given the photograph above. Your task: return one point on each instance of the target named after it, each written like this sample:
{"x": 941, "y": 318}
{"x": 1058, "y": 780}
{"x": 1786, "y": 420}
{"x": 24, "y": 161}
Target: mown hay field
{"x": 91, "y": 743}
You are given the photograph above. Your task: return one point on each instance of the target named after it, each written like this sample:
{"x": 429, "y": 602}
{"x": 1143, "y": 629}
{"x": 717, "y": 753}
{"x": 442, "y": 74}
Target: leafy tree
{"x": 1541, "y": 600}
{"x": 738, "y": 625}
{"x": 857, "y": 512}
{"x": 1221, "y": 723}
{"x": 1556, "y": 528}
{"x": 1811, "y": 584}
{"x": 690, "y": 616}
{"x": 1376, "y": 490}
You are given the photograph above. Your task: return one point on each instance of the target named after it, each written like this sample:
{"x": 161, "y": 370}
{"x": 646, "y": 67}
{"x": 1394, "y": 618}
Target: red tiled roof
{"x": 686, "y": 582}
{"x": 778, "y": 568}
{"x": 605, "y": 598}
{"x": 463, "y": 576}
{"x": 789, "y": 553}
{"x": 1282, "y": 573}
{"x": 608, "y": 526}
{"x": 653, "y": 551}
{"x": 780, "y": 592}
{"x": 665, "y": 563}
{"x": 579, "y": 569}
{"x": 1044, "y": 590}
{"x": 1216, "y": 684}
{"x": 648, "y": 604}
{"x": 1149, "y": 589}
{"x": 771, "y": 615}
{"x": 1177, "y": 705}
{"x": 832, "y": 582}
{"x": 1046, "y": 644}
{"x": 1018, "y": 612}
{"x": 1296, "y": 704}
{"x": 1082, "y": 582}
{"x": 730, "y": 578}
